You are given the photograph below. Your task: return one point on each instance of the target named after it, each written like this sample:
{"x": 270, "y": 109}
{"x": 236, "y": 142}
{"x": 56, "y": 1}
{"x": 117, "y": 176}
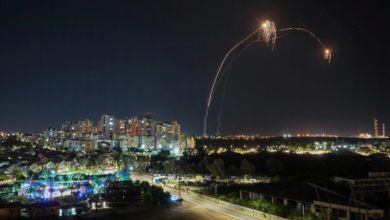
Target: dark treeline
{"x": 266, "y": 163}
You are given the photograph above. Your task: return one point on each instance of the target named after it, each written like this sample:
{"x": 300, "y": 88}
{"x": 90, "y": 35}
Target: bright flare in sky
{"x": 268, "y": 33}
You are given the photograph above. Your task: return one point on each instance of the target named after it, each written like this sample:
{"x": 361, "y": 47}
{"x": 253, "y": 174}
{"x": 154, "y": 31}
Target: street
{"x": 200, "y": 202}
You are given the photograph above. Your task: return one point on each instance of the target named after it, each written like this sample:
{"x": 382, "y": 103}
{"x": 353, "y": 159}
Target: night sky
{"x": 71, "y": 60}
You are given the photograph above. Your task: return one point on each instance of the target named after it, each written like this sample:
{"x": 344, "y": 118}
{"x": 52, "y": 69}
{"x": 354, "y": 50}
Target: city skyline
{"x": 87, "y": 126}
{"x": 66, "y": 62}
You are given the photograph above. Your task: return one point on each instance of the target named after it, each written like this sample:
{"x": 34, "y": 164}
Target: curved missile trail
{"x": 228, "y": 68}
{"x": 216, "y": 77}
{"x": 222, "y": 100}
{"x": 328, "y": 54}
{"x": 267, "y": 33}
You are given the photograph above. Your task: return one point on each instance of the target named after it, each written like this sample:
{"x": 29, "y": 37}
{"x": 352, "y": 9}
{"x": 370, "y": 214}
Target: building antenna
{"x": 383, "y": 132}
{"x": 376, "y": 127}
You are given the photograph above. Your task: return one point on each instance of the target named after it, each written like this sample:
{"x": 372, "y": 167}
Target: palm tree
{"x": 45, "y": 174}
{"x": 76, "y": 175}
{"x": 40, "y": 190}
{"x": 51, "y": 190}
{"x": 97, "y": 161}
{"x": 74, "y": 192}
{"x": 52, "y": 175}
{"x": 30, "y": 190}
{"x": 61, "y": 191}
{"x": 69, "y": 176}
{"x": 84, "y": 162}
{"x": 60, "y": 178}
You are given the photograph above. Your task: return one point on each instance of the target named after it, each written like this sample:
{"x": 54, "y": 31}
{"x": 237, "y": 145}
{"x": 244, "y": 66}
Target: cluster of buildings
{"x": 112, "y": 134}
{"x": 122, "y": 134}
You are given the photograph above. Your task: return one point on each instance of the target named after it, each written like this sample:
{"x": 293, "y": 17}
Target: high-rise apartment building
{"x": 121, "y": 125}
{"x": 85, "y": 126}
{"x": 69, "y": 130}
{"x": 49, "y": 133}
{"x": 167, "y": 134}
{"x": 108, "y": 123}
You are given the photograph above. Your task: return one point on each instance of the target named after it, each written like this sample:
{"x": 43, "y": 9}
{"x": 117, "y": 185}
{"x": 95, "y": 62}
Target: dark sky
{"x": 71, "y": 60}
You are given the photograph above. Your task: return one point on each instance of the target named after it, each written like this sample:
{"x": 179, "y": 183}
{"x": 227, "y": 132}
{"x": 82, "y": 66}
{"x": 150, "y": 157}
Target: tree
{"x": 69, "y": 176}
{"x": 148, "y": 200}
{"x": 30, "y": 174}
{"x": 45, "y": 174}
{"x": 273, "y": 166}
{"x": 61, "y": 191}
{"x": 164, "y": 197}
{"x": 191, "y": 168}
{"x": 206, "y": 161}
{"x": 170, "y": 166}
{"x": 140, "y": 164}
{"x": 30, "y": 191}
{"x": 84, "y": 162}
{"x": 213, "y": 147}
{"x": 232, "y": 170}
{"x": 60, "y": 178}
{"x": 52, "y": 175}
{"x": 247, "y": 167}
{"x": 50, "y": 190}
{"x": 217, "y": 168}
{"x": 145, "y": 185}
{"x": 156, "y": 192}
{"x": 97, "y": 162}
{"x": 162, "y": 156}
{"x": 17, "y": 174}
{"x": 118, "y": 161}
{"x": 8, "y": 190}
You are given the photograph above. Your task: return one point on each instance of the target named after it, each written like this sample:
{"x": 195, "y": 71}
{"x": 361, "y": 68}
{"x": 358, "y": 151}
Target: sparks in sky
{"x": 267, "y": 33}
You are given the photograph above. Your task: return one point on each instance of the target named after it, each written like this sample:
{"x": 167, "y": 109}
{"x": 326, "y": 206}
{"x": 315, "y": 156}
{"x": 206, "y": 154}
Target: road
{"x": 208, "y": 205}
{"x": 212, "y": 206}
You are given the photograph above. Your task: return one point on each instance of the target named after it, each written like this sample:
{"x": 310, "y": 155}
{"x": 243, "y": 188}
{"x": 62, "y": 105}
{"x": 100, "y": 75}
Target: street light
{"x": 216, "y": 192}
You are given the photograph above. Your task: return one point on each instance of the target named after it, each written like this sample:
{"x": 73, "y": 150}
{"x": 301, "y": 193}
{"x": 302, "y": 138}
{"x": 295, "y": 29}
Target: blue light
{"x": 174, "y": 197}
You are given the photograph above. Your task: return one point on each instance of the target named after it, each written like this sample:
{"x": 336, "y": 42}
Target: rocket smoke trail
{"x": 267, "y": 33}
{"x": 228, "y": 68}
{"x": 215, "y": 79}
{"x": 328, "y": 54}
{"x": 221, "y": 105}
